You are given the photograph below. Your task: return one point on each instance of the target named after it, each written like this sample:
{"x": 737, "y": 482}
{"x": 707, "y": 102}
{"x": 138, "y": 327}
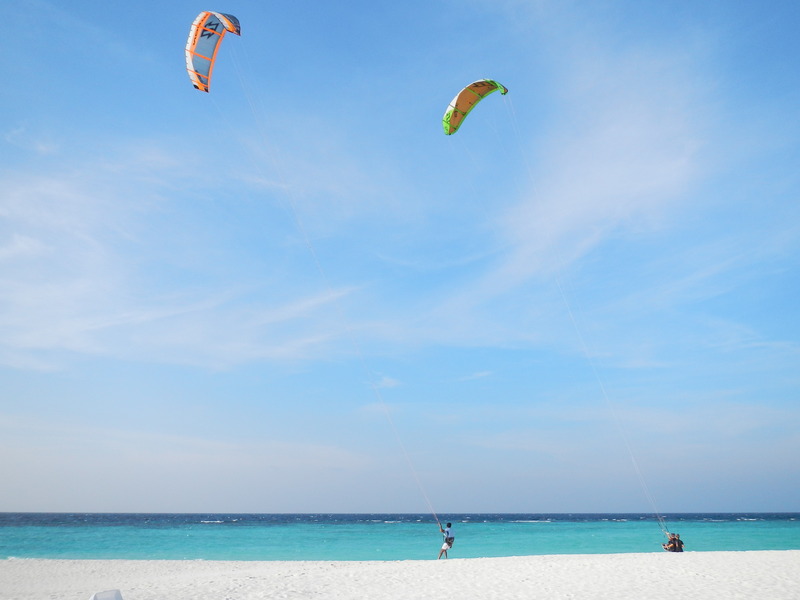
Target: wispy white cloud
{"x": 629, "y": 154}
{"x": 477, "y": 375}
{"x": 387, "y": 382}
{"x": 71, "y": 265}
{"x": 22, "y": 137}
{"x": 21, "y": 246}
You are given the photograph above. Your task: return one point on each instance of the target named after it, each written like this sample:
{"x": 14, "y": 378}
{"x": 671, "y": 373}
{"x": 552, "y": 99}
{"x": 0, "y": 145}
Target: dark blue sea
{"x": 344, "y": 537}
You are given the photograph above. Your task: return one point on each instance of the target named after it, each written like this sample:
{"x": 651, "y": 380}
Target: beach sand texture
{"x": 773, "y": 575}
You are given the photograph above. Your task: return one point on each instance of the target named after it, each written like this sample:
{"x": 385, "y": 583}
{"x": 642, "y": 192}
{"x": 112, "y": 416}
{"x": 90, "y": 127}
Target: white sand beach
{"x": 704, "y": 575}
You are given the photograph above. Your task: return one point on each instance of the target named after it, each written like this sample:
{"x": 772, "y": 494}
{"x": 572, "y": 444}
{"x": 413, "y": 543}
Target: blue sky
{"x": 296, "y": 294}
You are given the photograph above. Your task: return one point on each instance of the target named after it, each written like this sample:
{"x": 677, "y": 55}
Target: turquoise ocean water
{"x": 377, "y": 537}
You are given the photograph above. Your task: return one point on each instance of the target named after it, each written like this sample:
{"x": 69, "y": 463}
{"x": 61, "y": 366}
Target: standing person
{"x": 449, "y": 538}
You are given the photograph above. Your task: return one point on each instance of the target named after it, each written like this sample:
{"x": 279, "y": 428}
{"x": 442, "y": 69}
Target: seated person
{"x": 674, "y": 544}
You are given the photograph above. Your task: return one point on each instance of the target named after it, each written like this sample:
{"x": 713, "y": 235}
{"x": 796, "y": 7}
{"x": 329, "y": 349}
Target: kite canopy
{"x": 205, "y": 37}
{"x": 466, "y": 100}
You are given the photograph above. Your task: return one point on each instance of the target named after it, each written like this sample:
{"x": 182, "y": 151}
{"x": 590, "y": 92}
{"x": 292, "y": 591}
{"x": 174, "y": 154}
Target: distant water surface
{"x": 377, "y": 536}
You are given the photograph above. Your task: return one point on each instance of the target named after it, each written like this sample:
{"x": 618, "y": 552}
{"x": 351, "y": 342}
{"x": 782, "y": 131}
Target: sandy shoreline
{"x": 707, "y": 575}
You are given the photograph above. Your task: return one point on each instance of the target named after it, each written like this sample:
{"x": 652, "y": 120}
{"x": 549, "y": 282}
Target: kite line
{"x": 258, "y": 111}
